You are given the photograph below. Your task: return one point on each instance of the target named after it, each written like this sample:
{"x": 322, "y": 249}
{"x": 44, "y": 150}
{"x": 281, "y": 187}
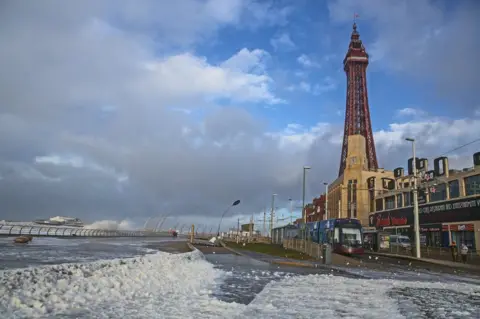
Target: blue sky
{"x": 131, "y": 107}
{"x": 311, "y": 32}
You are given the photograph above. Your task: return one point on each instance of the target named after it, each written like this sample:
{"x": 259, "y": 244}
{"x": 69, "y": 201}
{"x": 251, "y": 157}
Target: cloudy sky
{"x": 114, "y": 110}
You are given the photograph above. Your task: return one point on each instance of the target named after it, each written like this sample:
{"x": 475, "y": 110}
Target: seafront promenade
{"x": 376, "y": 262}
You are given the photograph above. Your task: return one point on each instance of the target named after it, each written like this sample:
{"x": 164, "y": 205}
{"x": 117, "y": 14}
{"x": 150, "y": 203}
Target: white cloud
{"x": 78, "y": 162}
{"x": 282, "y": 42}
{"x": 408, "y": 111}
{"x": 328, "y": 84}
{"x": 305, "y": 61}
{"x": 185, "y": 75}
{"x": 247, "y": 61}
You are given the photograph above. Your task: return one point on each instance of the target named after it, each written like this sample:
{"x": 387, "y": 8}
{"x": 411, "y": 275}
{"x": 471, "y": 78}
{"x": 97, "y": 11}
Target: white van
{"x": 400, "y": 241}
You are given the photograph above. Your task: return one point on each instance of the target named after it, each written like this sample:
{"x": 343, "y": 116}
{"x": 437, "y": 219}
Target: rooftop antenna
{"x": 355, "y": 16}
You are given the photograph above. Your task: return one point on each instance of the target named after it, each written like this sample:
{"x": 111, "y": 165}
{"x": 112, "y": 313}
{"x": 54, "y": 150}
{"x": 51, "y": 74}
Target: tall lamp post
{"x": 305, "y": 168}
{"x": 235, "y": 203}
{"x": 326, "y": 201}
{"x": 415, "y": 200}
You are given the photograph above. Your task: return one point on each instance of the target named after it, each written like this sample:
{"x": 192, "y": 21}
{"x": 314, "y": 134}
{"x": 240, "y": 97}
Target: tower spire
{"x": 357, "y": 114}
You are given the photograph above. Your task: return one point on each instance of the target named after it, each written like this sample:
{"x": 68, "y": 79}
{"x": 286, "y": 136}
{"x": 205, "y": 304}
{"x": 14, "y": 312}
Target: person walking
{"x": 464, "y": 252}
{"x": 454, "y": 251}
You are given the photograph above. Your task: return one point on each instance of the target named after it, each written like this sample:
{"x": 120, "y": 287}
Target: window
{"x": 439, "y": 194}
{"x": 379, "y": 204}
{"x": 408, "y": 199}
{"x": 399, "y": 200}
{"x": 472, "y": 185}
{"x": 352, "y": 198}
{"x": 422, "y": 196}
{"x": 351, "y": 236}
{"x": 390, "y": 202}
{"x": 454, "y": 189}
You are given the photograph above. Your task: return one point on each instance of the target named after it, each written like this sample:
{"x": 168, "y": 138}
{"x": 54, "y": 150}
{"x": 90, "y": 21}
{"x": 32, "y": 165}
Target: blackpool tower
{"x": 357, "y": 113}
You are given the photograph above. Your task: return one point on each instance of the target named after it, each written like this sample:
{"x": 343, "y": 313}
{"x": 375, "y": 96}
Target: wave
{"x": 113, "y": 225}
{"x": 167, "y": 285}
{"x": 139, "y": 287}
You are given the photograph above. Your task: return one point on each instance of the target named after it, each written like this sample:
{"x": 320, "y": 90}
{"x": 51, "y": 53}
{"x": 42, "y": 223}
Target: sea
{"x": 130, "y": 278}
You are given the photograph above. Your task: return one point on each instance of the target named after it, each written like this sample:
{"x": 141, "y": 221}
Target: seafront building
{"x": 449, "y": 203}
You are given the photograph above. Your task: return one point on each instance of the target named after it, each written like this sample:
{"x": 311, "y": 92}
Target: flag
{"x": 356, "y": 15}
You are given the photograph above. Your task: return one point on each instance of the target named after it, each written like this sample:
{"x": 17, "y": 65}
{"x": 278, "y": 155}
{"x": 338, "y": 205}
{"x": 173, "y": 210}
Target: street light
{"x": 415, "y": 200}
{"x": 303, "y": 203}
{"x": 235, "y": 203}
{"x": 326, "y": 201}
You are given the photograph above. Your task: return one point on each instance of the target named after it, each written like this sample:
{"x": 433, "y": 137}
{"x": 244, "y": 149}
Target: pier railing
{"x": 58, "y": 231}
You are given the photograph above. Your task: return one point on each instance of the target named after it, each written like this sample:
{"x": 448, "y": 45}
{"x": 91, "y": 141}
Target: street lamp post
{"x": 326, "y": 201}
{"x": 415, "y": 200}
{"x": 235, "y": 203}
{"x": 303, "y": 203}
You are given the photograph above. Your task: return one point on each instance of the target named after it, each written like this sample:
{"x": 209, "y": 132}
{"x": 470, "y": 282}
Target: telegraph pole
{"x": 291, "y": 211}
{"x": 238, "y": 227}
{"x": 264, "y": 221}
{"x": 326, "y": 201}
{"x": 272, "y": 213}
{"x": 415, "y": 200}
{"x": 250, "y": 231}
{"x": 304, "y": 212}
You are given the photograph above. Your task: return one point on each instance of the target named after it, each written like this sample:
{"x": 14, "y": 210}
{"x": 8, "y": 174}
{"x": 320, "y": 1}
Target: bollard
{"x": 327, "y": 254}
{"x": 192, "y": 234}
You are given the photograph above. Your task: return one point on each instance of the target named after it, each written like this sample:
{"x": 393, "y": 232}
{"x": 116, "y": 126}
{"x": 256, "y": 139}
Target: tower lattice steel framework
{"x": 357, "y": 114}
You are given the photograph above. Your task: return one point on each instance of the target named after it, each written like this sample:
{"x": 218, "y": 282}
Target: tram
{"x": 344, "y": 234}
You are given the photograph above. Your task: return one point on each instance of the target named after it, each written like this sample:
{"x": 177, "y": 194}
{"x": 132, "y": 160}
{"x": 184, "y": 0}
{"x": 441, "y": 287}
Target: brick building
{"x": 316, "y": 211}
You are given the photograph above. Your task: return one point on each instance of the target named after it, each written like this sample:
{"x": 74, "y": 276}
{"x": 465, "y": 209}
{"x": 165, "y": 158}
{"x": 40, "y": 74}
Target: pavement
{"x": 338, "y": 260}
{"x": 369, "y": 261}
{"x": 174, "y": 246}
{"x": 440, "y": 262}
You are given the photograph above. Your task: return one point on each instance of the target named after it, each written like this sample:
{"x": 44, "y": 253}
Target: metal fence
{"x": 441, "y": 253}
{"x": 253, "y": 239}
{"x": 56, "y": 231}
{"x": 307, "y": 247}
{"x": 315, "y": 250}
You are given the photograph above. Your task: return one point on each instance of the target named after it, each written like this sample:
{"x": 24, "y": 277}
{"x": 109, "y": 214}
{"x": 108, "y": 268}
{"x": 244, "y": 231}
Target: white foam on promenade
{"x": 327, "y": 296}
{"x": 181, "y": 286}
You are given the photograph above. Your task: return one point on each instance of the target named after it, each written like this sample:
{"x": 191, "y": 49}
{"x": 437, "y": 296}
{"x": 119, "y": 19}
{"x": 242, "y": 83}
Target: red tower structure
{"x": 357, "y": 114}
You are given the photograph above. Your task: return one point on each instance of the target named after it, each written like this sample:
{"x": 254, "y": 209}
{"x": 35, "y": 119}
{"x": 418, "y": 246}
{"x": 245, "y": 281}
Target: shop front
{"x": 459, "y": 233}
{"x": 440, "y": 223}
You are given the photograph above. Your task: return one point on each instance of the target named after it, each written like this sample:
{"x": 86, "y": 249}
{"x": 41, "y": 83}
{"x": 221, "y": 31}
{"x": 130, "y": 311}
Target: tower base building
{"x": 351, "y": 195}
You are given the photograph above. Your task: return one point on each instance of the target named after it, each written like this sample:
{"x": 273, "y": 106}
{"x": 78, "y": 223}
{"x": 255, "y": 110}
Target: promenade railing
{"x": 59, "y": 231}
